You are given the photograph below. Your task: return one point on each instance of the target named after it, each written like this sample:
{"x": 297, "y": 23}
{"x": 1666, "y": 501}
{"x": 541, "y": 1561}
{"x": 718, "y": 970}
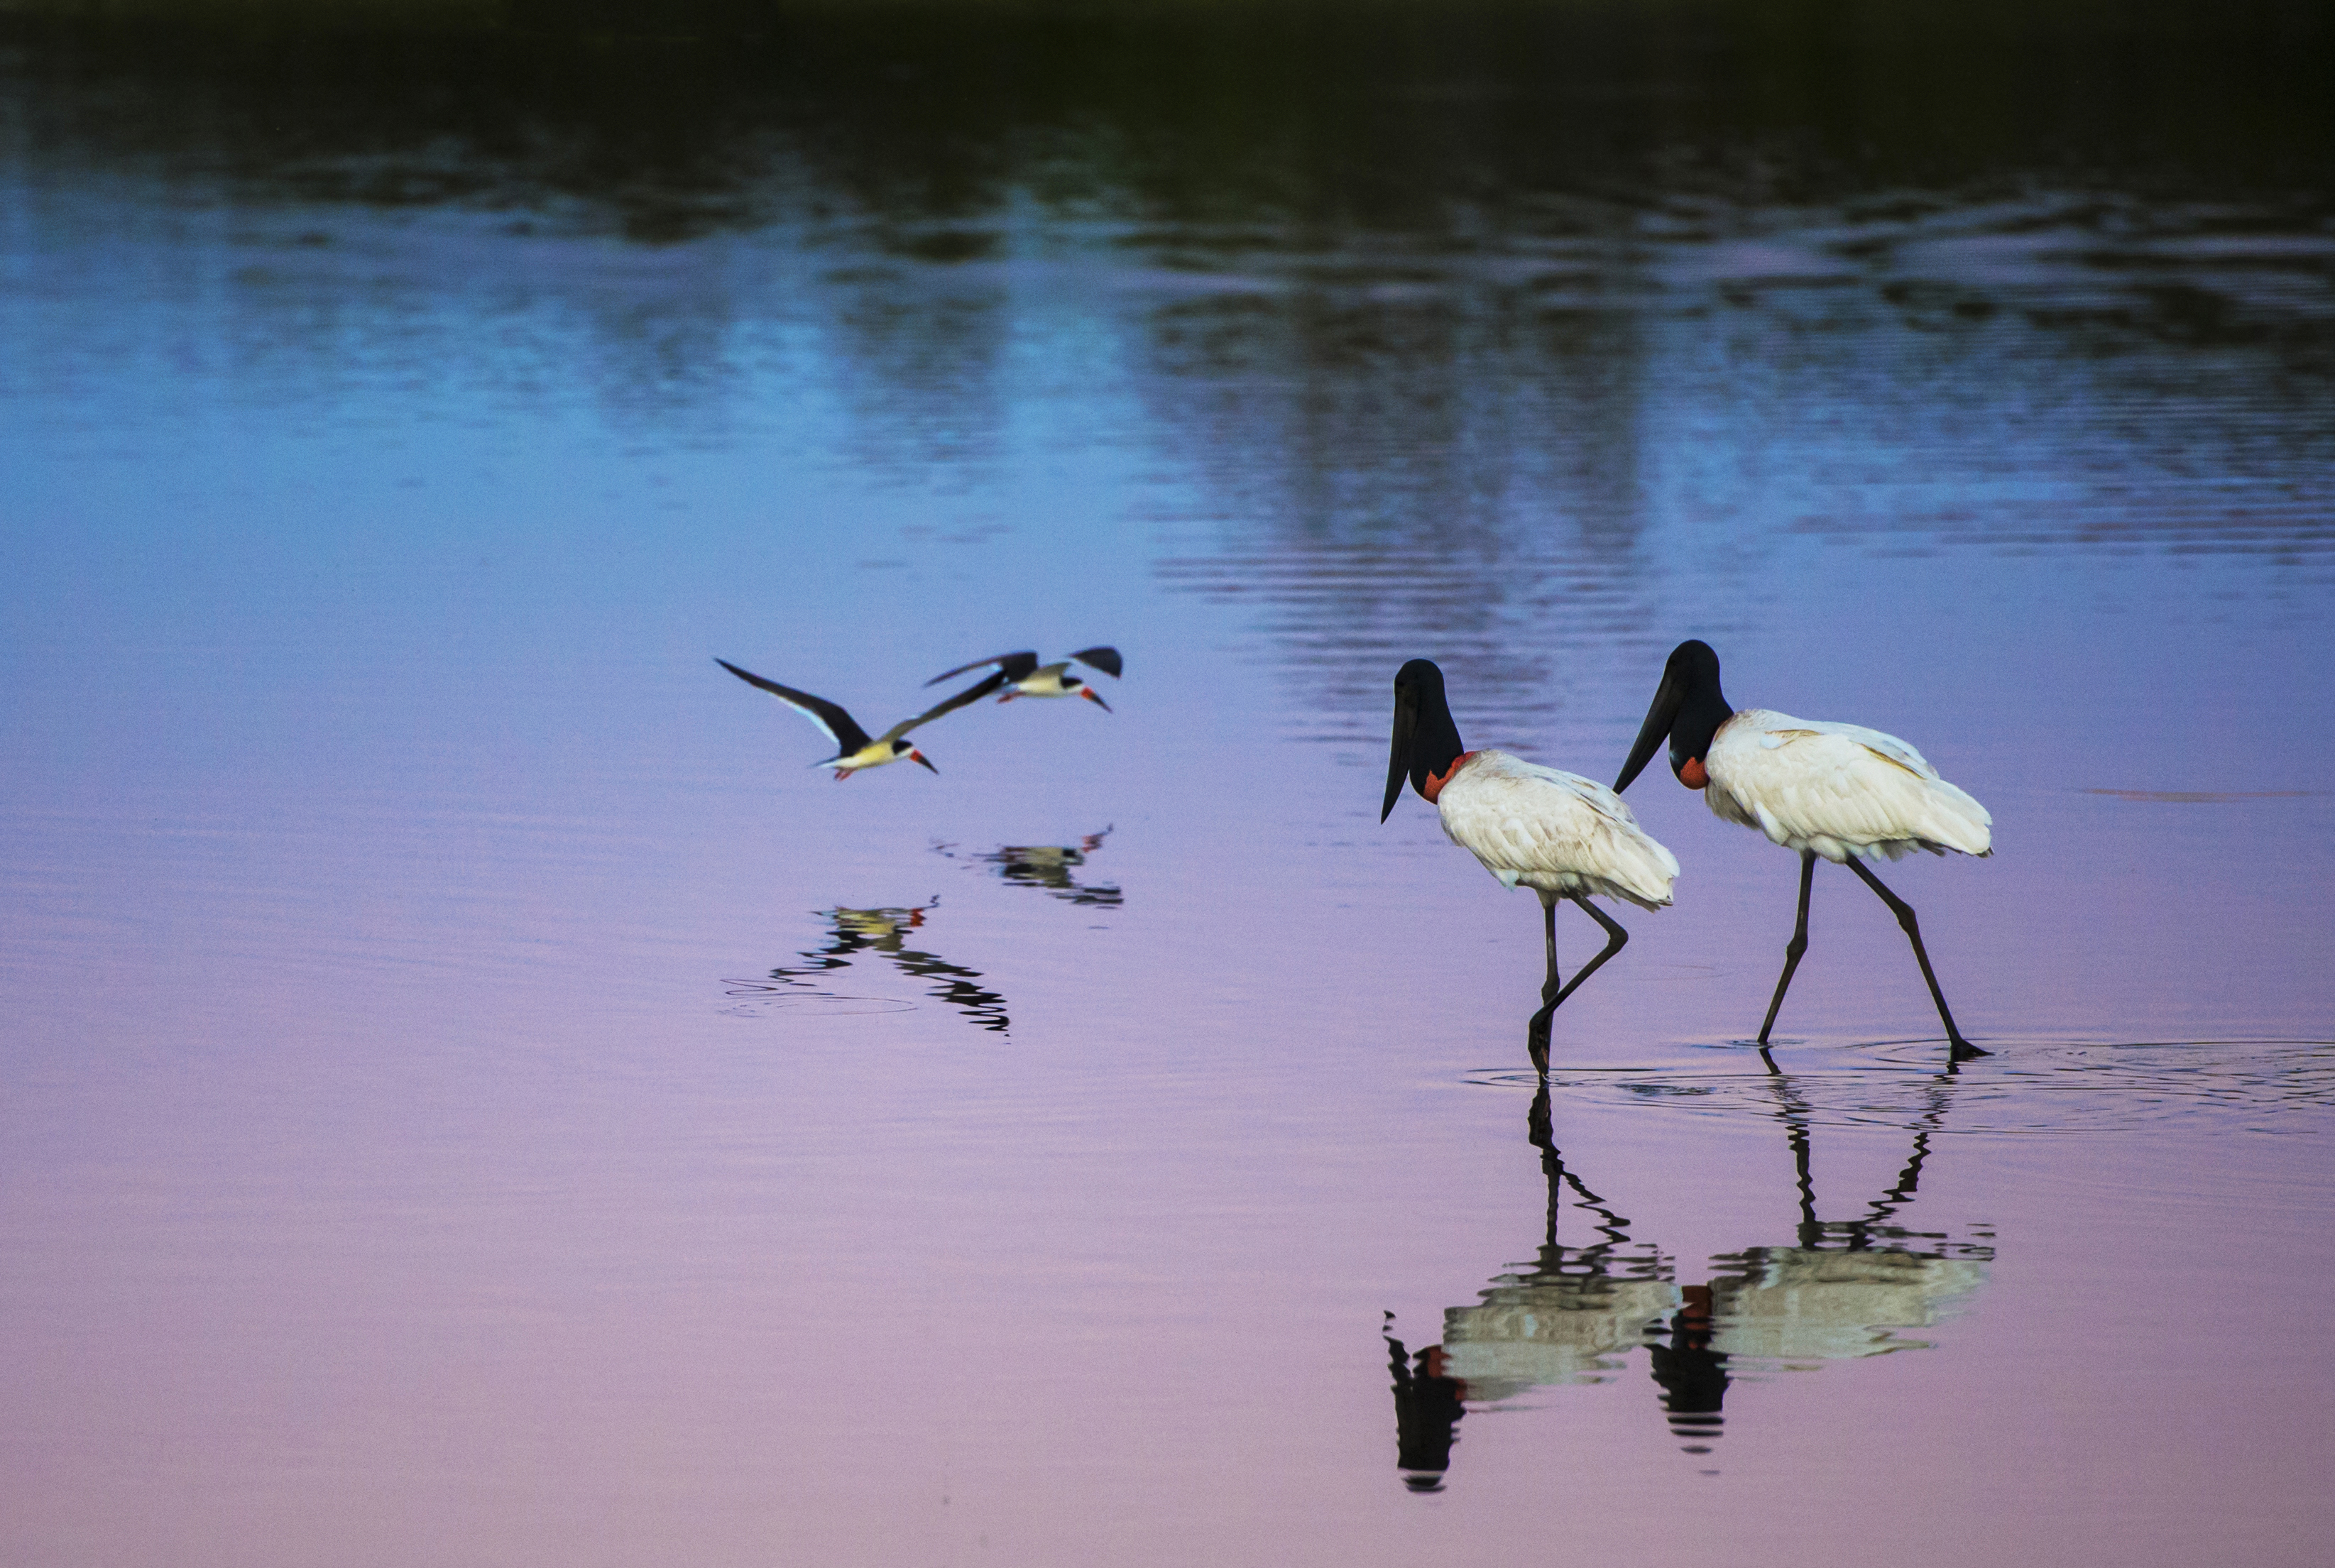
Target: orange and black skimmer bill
{"x": 1558, "y": 834}
{"x": 853, "y": 750}
{"x": 1821, "y": 788}
{"x": 1026, "y": 677}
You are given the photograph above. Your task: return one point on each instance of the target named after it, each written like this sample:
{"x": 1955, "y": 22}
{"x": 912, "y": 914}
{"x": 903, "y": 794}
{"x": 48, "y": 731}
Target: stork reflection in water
{"x": 1427, "y": 1404}
{"x": 883, "y": 931}
{"x": 1837, "y": 1292}
{"x": 1567, "y": 1319}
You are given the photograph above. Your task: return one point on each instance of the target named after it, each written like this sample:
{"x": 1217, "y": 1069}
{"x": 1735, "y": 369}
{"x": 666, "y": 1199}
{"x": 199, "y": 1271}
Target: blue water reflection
{"x": 472, "y": 1094}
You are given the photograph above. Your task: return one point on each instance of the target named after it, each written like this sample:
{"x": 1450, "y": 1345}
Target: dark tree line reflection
{"x": 1838, "y": 1291}
{"x": 1428, "y": 297}
{"x": 1383, "y": 116}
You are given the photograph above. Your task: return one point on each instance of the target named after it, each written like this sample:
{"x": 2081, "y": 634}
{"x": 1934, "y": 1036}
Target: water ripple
{"x": 2028, "y": 1088}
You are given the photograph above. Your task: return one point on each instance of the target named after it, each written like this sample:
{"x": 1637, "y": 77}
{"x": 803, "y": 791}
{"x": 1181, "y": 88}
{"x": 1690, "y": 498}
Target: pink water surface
{"x": 473, "y": 1093}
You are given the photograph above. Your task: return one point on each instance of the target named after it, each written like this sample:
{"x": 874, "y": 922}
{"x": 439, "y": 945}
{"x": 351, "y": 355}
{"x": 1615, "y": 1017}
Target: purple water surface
{"x": 475, "y": 1094}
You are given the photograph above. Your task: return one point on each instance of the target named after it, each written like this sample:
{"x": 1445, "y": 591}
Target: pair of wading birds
{"x": 1017, "y": 674}
{"x": 1839, "y": 790}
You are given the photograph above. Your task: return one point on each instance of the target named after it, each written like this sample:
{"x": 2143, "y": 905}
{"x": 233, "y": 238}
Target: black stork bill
{"x": 1557, "y": 833}
{"x": 854, "y": 748}
{"x": 1023, "y": 676}
{"x": 1839, "y": 790}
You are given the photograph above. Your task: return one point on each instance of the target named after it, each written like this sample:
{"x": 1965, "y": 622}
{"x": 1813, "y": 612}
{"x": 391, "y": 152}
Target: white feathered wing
{"x": 1553, "y": 831}
{"x": 1839, "y": 790}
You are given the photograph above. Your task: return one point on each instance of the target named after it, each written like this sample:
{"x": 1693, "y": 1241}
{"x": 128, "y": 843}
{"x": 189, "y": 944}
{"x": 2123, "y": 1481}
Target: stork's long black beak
{"x": 1406, "y": 720}
{"x": 1669, "y": 698}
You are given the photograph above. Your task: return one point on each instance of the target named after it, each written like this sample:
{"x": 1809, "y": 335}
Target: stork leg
{"x": 1552, "y": 995}
{"x": 1616, "y": 939}
{"x": 1549, "y": 988}
{"x": 1537, "y": 1029}
{"x": 1794, "y": 948}
{"x": 1958, "y": 1049}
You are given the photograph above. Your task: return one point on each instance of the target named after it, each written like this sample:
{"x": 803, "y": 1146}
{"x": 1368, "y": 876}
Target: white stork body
{"x": 1838, "y": 789}
{"x": 1554, "y": 832}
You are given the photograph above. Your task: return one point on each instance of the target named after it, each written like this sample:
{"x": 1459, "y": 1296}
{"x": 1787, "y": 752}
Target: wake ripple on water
{"x": 2026, "y": 1089}
{"x": 763, "y": 1000}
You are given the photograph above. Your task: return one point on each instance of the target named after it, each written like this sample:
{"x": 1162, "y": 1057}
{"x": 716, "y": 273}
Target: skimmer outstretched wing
{"x": 972, "y": 693}
{"x": 1013, "y": 666}
{"x": 839, "y": 726}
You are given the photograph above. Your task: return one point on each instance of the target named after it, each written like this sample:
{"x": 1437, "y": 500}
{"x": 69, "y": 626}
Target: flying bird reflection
{"x": 884, "y": 932}
{"x": 1820, "y": 788}
{"x": 1557, "y": 833}
{"x": 1840, "y": 1291}
{"x": 1051, "y": 868}
{"x": 1021, "y": 675}
{"x": 855, "y": 748}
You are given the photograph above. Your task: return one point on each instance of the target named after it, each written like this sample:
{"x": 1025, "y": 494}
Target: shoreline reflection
{"x": 1840, "y": 1291}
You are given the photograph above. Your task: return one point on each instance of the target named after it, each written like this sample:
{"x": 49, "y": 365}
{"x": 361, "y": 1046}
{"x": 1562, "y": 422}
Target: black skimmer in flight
{"x": 1839, "y": 790}
{"x": 1557, "y": 833}
{"x": 1023, "y": 676}
{"x": 854, "y": 748}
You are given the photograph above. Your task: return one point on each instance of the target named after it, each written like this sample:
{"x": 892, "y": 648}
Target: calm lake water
{"x": 474, "y": 1094}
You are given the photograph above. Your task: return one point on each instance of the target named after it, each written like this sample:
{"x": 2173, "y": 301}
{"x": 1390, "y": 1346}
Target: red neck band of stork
{"x": 1435, "y": 781}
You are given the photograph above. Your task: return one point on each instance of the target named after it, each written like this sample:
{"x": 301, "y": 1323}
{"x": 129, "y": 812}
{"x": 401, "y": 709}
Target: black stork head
{"x": 1688, "y": 708}
{"x": 1426, "y": 740}
{"x": 902, "y": 749}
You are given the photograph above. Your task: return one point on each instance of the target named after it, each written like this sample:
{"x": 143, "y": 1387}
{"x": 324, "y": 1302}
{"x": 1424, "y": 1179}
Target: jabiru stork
{"x": 1816, "y": 787}
{"x": 1559, "y": 834}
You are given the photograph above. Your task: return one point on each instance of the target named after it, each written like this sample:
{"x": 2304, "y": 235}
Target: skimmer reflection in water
{"x": 1051, "y": 868}
{"x": 884, "y": 932}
